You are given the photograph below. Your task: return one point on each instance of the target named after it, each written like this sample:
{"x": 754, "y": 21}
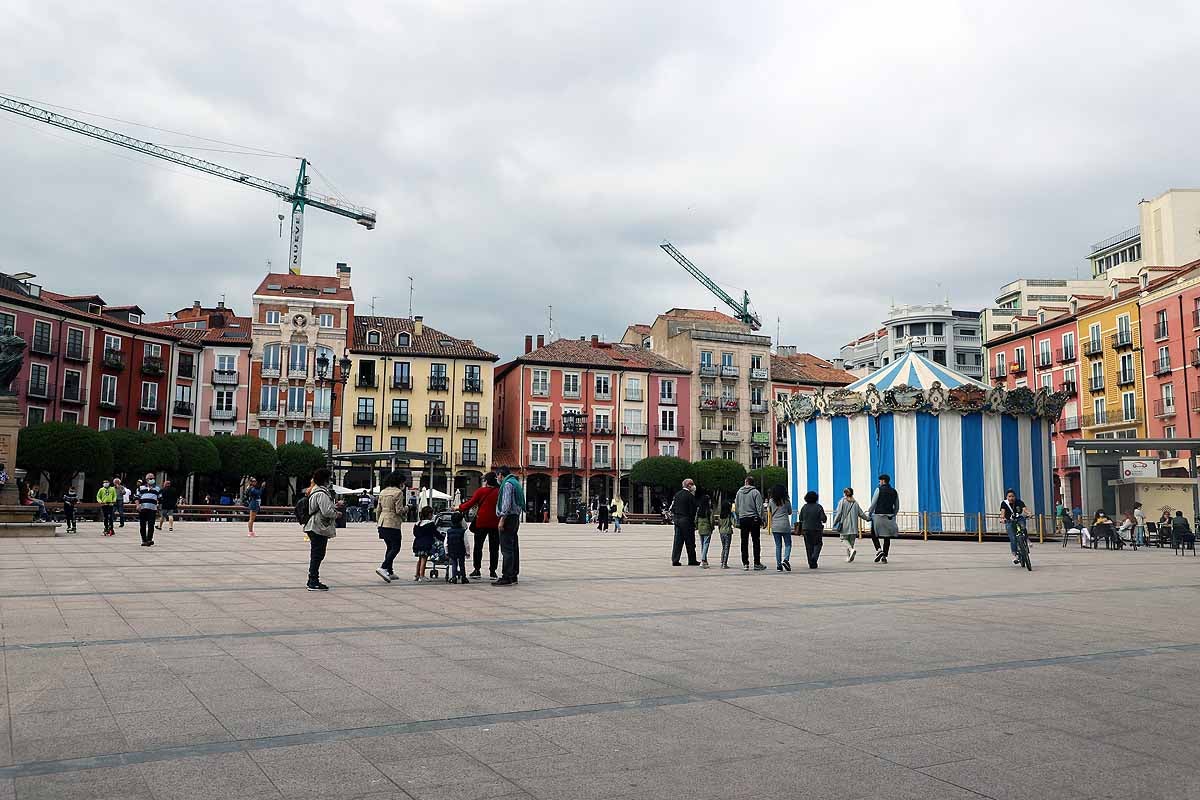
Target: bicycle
{"x": 1021, "y": 535}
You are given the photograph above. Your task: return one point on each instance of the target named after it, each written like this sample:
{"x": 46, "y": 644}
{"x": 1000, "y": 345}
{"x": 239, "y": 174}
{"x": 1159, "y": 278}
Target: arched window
{"x": 403, "y": 340}
{"x": 372, "y": 337}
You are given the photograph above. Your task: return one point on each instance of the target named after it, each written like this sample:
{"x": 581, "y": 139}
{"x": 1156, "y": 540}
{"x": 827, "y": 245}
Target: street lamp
{"x": 576, "y": 420}
{"x": 323, "y": 377}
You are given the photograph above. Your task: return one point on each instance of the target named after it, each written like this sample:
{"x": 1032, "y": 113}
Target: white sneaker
{"x": 851, "y": 555}
{"x": 383, "y": 573}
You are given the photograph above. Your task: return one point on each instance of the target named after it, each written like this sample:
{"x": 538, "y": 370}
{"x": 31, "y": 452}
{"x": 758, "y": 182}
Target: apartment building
{"x": 791, "y": 373}
{"x": 574, "y": 416}
{"x": 299, "y": 332}
{"x": 1019, "y": 301}
{"x": 730, "y": 366}
{"x": 937, "y": 331}
{"x": 1167, "y": 234}
{"x": 416, "y": 388}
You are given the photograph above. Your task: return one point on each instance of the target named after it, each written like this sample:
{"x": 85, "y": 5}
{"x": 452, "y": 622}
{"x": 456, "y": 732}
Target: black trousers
{"x": 510, "y": 546}
{"x": 109, "y": 516}
{"x": 685, "y": 537}
{"x": 69, "y": 516}
{"x": 813, "y": 540}
{"x": 493, "y": 539}
{"x": 751, "y": 527}
{"x": 391, "y": 539}
{"x": 146, "y": 518}
{"x": 887, "y": 543}
{"x": 317, "y": 547}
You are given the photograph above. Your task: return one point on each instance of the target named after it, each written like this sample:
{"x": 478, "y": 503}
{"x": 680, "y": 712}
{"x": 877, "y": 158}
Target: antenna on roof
{"x": 374, "y": 297}
{"x": 777, "y": 339}
{"x": 550, "y": 332}
{"x": 410, "y": 294}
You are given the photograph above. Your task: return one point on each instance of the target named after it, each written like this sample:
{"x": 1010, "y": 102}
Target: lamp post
{"x": 575, "y": 419}
{"x": 324, "y": 378}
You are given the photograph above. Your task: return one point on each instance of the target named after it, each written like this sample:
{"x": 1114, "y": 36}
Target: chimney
{"x": 541, "y": 341}
{"x": 418, "y": 325}
{"x": 595, "y": 340}
{"x": 196, "y": 304}
{"x": 220, "y": 304}
{"x": 840, "y": 363}
{"x": 785, "y": 350}
{"x": 528, "y": 344}
{"x": 343, "y": 275}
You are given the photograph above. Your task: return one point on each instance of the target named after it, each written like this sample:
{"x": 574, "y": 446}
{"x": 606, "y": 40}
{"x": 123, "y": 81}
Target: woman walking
{"x": 1139, "y": 526}
{"x": 253, "y": 503}
{"x": 602, "y": 514}
{"x": 486, "y": 525}
{"x": 390, "y": 508}
{"x": 812, "y": 524}
{"x": 618, "y": 513}
{"x": 704, "y": 526}
{"x": 845, "y": 521}
{"x": 779, "y": 508}
{"x": 885, "y": 505}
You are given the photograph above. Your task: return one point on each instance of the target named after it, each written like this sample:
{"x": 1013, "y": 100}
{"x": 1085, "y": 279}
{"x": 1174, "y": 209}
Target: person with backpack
{"x": 318, "y": 512}
{"x": 508, "y": 511}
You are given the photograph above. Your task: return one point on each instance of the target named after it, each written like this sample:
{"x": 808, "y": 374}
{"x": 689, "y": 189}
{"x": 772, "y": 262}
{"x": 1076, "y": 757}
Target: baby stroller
{"x": 437, "y": 556}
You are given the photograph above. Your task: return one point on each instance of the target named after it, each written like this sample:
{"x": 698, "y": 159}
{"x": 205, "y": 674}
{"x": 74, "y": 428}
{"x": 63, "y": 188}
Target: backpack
{"x": 303, "y": 509}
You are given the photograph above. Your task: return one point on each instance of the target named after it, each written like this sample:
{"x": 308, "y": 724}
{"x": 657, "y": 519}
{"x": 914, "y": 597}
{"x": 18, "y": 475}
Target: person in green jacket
{"x": 107, "y": 498}
{"x": 704, "y": 526}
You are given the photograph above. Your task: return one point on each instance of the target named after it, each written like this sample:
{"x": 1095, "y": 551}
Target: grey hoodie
{"x": 748, "y": 503}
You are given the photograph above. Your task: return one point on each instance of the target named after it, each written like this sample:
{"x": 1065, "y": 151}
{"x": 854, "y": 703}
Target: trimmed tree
{"x": 245, "y": 456}
{"x": 720, "y": 476}
{"x": 299, "y": 460}
{"x": 197, "y": 455}
{"x": 766, "y": 477}
{"x": 661, "y": 472}
{"x": 124, "y": 444}
{"x": 155, "y": 454}
{"x": 63, "y": 450}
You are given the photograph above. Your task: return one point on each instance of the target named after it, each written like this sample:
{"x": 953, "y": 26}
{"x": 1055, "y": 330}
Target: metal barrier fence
{"x": 970, "y": 526}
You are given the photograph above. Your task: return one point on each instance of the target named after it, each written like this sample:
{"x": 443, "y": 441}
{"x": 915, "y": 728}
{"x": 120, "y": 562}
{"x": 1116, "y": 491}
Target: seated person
{"x": 1102, "y": 528}
{"x": 1181, "y": 531}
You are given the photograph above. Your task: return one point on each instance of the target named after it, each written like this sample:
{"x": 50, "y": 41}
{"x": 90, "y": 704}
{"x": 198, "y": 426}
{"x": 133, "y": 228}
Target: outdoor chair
{"x": 1184, "y": 544}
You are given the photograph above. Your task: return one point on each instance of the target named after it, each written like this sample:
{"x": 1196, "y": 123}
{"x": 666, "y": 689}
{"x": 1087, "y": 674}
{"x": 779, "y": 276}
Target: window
{"x": 108, "y": 390}
{"x": 1126, "y": 367}
{"x": 570, "y": 384}
{"x": 268, "y": 398}
{"x": 1128, "y": 406}
{"x": 74, "y": 343}
{"x": 298, "y": 358}
{"x": 187, "y": 365}
{"x": 149, "y": 427}
{"x": 728, "y": 423}
{"x": 1168, "y": 396}
{"x": 41, "y": 337}
{"x": 1069, "y": 375}
{"x": 729, "y": 455}
{"x": 1019, "y": 358}
{"x": 403, "y": 340}
{"x": 366, "y": 407}
{"x": 72, "y": 383}
{"x": 757, "y": 461}
{"x": 647, "y": 343}
{"x": 603, "y": 387}
{"x": 36, "y": 415}
{"x": 1048, "y": 381}
{"x": 781, "y": 458}
{"x": 295, "y": 399}
{"x": 1124, "y": 332}
{"x": 322, "y": 402}
{"x": 149, "y": 395}
{"x": 708, "y": 389}
{"x": 1044, "y": 357}
{"x": 470, "y": 451}
{"x": 472, "y": 378}
{"x": 603, "y": 420}
{"x": 320, "y": 437}
{"x": 1169, "y": 432}
{"x": 600, "y": 454}
{"x": 916, "y": 329}
{"x": 756, "y": 361}
{"x": 9, "y": 321}
{"x": 708, "y": 422}
{"x": 38, "y": 375}
{"x": 267, "y": 434}
{"x": 633, "y": 389}
{"x": 1160, "y": 325}
{"x": 757, "y": 425}
{"x": 399, "y": 409}
{"x": 362, "y": 444}
{"x": 539, "y": 419}
{"x": 226, "y": 363}
{"x": 271, "y": 357}
{"x": 372, "y": 337}
{"x": 437, "y": 370}
{"x": 1068, "y": 346}
{"x": 272, "y": 317}
{"x": 726, "y": 359}
{"x": 1001, "y": 363}
{"x": 151, "y": 350}
{"x": 756, "y": 396}
{"x": 706, "y": 453}
{"x": 1097, "y": 368}
{"x": 633, "y": 454}
{"x": 570, "y": 455}
{"x": 537, "y": 454}
{"x": 1094, "y": 336}
{"x": 938, "y": 328}
{"x": 666, "y": 389}
{"x": 399, "y": 443}
{"x": 70, "y": 416}
{"x": 183, "y": 393}
{"x": 1099, "y": 411}
{"x": 633, "y": 421}
{"x": 706, "y": 358}
{"x": 437, "y": 412}
{"x": 112, "y": 343}
{"x": 294, "y": 435}
{"x": 325, "y": 320}
{"x": 540, "y": 384}
{"x": 668, "y": 449}
{"x": 401, "y": 375}
{"x": 667, "y": 419}
{"x": 434, "y": 446}
{"x": 223, "y": 400}
{"x": 107, "y": 423}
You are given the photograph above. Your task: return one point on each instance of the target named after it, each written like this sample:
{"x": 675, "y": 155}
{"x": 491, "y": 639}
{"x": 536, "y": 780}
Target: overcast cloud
{"x": 829, "y": 157}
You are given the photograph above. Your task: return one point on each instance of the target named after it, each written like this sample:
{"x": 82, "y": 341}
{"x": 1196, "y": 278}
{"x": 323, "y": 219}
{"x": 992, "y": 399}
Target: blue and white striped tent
{"x": 953, "y": 464}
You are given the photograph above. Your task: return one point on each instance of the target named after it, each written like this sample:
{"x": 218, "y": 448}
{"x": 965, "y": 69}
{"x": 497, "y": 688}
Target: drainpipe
{"x": 1183, "y": 341}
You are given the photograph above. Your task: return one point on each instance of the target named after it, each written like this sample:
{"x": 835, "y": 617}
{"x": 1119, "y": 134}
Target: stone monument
{"x": 15, "y": 519}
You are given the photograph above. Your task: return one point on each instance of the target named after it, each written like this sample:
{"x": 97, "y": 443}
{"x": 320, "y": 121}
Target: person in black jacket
{"x": 885, "y": 505}
{"x": 683, "y": 514}
{"x": 812, "y": 524}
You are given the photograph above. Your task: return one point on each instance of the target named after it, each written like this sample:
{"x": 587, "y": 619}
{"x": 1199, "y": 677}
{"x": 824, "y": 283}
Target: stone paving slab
{"x": 200, "y": 668}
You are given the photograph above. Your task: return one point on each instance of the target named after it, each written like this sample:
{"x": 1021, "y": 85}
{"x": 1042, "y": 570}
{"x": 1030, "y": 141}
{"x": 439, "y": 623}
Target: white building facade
{"x": 937, "y": 331}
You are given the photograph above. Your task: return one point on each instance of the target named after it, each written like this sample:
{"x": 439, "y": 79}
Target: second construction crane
{"x": 742, "y": 310}
{"x": 299, "y": 196}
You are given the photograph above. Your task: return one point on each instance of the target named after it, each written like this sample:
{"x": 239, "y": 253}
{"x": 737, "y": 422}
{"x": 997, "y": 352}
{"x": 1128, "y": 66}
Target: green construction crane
{"x": 299, "y": 197}
{"x": 742, "y": 309}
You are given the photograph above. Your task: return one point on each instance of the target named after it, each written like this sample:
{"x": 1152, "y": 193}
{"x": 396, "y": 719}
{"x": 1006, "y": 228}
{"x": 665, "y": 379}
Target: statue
{"x": 12, "y": 358}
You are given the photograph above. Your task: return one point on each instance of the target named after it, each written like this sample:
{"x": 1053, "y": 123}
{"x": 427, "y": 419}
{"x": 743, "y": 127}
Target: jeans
{"x": 783, "y": 546}
{"x": 510, "y": 546}
{"x": 813, "y": 541}
{"x": 616, "y": 524}
{"x": 317, "y": 546}
{"x": 1139, "y": 535}
{"x": 391, "y": 538}
{"x": 146, "y": 518}
{"x": 121, "y": 512}
{"x": 69, "y": 517}
{"x": 705, "y": 540}
{"x": 750, "y": 529}
{"x": 1011, "y": 527}
{"x": 685, "y": 537}
{"x": 492, "y": 536}
{"x": 726, "y": 541}
{"x": 109, "y": 515}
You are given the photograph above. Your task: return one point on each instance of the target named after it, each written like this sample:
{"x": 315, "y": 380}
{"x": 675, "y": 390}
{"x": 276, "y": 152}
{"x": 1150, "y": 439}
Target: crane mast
{"x": 299, "y": 197}
{"x": 741, "y": 310}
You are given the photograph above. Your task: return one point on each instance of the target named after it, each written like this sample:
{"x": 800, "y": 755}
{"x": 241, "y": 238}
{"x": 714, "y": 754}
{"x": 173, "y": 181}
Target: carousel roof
{"x": 915, "y": 370}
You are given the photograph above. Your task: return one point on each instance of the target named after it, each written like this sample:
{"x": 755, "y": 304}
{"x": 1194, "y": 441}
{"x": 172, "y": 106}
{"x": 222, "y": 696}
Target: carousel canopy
{"x": 916, "y": 371}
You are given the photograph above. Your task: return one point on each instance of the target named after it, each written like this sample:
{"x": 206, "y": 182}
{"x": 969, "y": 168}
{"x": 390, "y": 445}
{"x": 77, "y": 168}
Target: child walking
{"x": 424, "y": 535}
{"x": 456, "y": 549}
{"x": 845, "y": 521}
{"x": 725, "y": 526}
{"x": 704, "y": 526}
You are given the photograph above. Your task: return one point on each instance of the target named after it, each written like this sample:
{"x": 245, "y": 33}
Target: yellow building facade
{"x": 1112, "y": 391}
{"x": 415, "y": 388}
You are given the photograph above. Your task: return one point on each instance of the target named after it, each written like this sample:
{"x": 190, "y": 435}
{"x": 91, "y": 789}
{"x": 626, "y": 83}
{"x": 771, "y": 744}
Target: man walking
{"x": 748, "y": 509}
{"x": 885, "y": 505}
{"x": 170, "y": 505}
{"x": 147, "y": 509}
{"x": 683, "y": 515}
{"x": 320, "y": 527}
{"x": 508, "y": 511}
{"x": 106, "y": 496}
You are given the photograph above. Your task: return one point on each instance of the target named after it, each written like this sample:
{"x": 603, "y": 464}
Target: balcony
{"x": 225, "y": 377}
{"x": 599, "y": 395}
{"x": 758, "y": 374}
{"x": 437, "y": 421}
{"x": 709, "y": 370}
{"x": 113, "y": 359}
{"x": 42, "y": 346}
{"x": 1069, "y": 388}
{"x": 1161, "y": 330}
{"x": 149, "y": 409}
{"x": 633, "y": 395}
{"x": 627, "y": 462}
{"x": 110, "y": 405}
{"x": 973, "y": 370}
{"x": 182, "y": 409}
{"x": 472, "y": 422}
{"x": 730, "y": 372}
{"x": 366, "y": 380}
{"x": 1164, "y": 408}
{"x": 73, "y": 395}
{"x": 472, "y": 386}
{"x": 271, "y": 371}
{"x": 602, "y": 429}
{"x": 1094, "y": 420}
{"x": 710, "y": 435}
{"x": 468, "y": 459}
{"x": 545, "y": 428}
{"x": 539, "y": 390}
{"x": 41, "y": 391}
{"x": 731, "y": 436}
{"x": 399, "y": 421}
{"x": 1096, "y": 384}
{"x": 759, "y": 408}
{"x": 297, "y": 372}
{"x": 1122, "y": 339}
{"x": 1069, "y": 460}
{"x": 402, "y": 382}
{"x": 571, "y": 394}
{"x": 671, "y": 433}
{"x": 295, "y": 414}
{"x": 152, "y": 365}
{"x": 1018, "y": 368}
{"x": 1161, "y": 366}
{"x": 1044, "y": 360}
{"x": 1067, "y": 424}
{"x": 76, "y": 353}
{"x": 729, "y": 404}
{"x": 268, "y": 413}
{"x": 1065, "y": 355}
{"x": 602, "y": 463}
{"x": 760, "y": 438}
{"x": 633, "y": 429}
{"x": 1092, "y": 347}
{"x": 999, "y": 373}
{"x": 1125, "y": 377}
{"x": 1129, "y": 415}
{"x": 363, "y": 419}
{"x": 439, "y": 383}
{"x": 664, "y": 400}
{"x": 573, "y": 426}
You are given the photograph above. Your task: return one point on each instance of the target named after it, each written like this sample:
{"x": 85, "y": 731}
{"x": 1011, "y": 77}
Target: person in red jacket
{"x": 486, "y": 525}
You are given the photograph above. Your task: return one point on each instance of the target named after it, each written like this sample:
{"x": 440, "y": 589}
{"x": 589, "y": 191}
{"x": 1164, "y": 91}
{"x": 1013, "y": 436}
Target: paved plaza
{"x": 201, "y": 668}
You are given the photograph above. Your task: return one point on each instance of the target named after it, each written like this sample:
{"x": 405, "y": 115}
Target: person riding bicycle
{"x": 1012, "y": 511}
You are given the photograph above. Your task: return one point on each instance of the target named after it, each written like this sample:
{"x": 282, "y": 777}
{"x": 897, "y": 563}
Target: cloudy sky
{"x": 830, "y": 157}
